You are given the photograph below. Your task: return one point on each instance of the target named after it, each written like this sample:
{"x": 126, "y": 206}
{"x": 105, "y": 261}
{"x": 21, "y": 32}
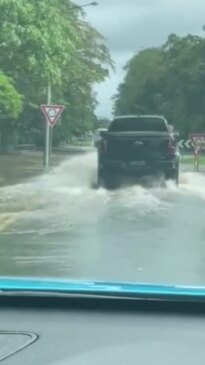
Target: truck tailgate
{"x": 137, "y": 146}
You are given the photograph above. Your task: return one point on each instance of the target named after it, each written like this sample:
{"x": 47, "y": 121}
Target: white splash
{"x": 65, "y": 196}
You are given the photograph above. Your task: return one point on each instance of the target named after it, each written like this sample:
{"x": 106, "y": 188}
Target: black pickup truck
{"x": 137, "y": 146}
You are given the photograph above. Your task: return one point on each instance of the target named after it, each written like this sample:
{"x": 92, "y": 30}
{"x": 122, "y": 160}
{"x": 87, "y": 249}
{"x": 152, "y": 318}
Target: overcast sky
{"x": 130, "y": 25}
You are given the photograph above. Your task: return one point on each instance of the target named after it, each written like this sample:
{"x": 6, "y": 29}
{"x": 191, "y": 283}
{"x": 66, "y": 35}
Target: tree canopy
{"x": 49, "y": 41}
{"x": 168, "y": 80}
{"x": 11, "y": 101}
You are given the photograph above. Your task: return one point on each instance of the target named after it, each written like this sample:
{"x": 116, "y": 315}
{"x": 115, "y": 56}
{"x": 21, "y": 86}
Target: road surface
{"x": 58, "y": 226}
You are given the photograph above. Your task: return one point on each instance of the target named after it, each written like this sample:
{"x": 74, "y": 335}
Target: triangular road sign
{"x": 198, "y": 141}
{"x": 52, "y": 113}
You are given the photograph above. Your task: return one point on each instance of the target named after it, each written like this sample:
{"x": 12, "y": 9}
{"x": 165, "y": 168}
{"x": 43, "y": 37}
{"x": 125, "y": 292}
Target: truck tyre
{"x": 173, "y": 175}
{"x": 105, "y": 180}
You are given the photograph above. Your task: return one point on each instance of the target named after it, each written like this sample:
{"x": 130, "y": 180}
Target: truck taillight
{"x": 171, "y": 147}
{"x": 103, "y": 146}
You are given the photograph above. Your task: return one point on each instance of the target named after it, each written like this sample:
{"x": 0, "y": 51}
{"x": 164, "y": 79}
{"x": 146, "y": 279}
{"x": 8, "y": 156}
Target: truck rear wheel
{"x": 106, "y": 180}
{"x": 173, "y": 175}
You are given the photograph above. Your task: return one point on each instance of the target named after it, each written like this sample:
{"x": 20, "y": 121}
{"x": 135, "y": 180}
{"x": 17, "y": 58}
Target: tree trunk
{"x": 7, "y": 138}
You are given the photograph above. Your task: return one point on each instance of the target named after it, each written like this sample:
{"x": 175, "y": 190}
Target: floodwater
{"x": 58, "y": 226}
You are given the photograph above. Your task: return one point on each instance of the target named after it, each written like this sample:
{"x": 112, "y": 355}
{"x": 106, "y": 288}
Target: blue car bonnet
{"x": 99, "y": 288}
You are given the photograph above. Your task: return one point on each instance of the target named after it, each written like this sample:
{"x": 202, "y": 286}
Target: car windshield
{"x": 138, "y": 124}
{"x": 84, "y": 205}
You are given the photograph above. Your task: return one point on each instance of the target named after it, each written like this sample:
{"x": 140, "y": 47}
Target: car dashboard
{"x": 78, "y": 330}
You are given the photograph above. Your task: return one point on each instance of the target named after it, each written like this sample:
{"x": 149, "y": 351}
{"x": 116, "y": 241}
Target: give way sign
{"x": 198, "y": 140}
{"x": 52, "y": 113}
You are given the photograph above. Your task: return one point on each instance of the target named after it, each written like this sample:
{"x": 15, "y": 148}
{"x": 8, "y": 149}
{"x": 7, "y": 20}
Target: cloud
{"x": 130, "y": 25}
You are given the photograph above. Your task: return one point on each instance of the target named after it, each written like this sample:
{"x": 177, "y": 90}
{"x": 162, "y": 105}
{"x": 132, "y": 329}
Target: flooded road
{"x": 58, "y": 226}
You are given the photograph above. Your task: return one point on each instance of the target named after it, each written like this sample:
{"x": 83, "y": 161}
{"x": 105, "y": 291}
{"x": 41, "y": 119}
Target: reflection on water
{"x": 64, "y": 228}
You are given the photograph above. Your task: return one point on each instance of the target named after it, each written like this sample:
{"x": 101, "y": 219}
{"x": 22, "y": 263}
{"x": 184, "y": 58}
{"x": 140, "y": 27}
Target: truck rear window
{"x": 138, "y": 124}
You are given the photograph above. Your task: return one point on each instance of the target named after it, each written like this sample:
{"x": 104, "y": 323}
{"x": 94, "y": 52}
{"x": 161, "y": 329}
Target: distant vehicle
{"x": 98, "y": 135}
{"x": 136, "y": 146}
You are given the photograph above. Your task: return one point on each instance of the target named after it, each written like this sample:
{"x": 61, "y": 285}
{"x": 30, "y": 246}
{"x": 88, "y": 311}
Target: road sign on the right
{"x": 185, "y": 144}
{"x": 198, "y": 140}
{"x": 52, "y": 113}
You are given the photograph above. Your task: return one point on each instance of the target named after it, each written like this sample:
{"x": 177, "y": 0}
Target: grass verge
{"x": 190, "y": 160}
{"x": 20, "y": 167}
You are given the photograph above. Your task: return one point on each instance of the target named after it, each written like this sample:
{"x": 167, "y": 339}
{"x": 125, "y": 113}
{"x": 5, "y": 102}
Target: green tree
{"x": 168, "y": 80}
{"x": 49, "y": 41}
{"x": 136, "y": 94}
{"x": 11, "y": 103}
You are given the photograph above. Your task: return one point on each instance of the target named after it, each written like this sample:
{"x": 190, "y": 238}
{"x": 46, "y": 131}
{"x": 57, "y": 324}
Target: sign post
{"x": 198, "y": 141}
{"x": 47, "y": 133}
{"x": 52, "y": 114}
